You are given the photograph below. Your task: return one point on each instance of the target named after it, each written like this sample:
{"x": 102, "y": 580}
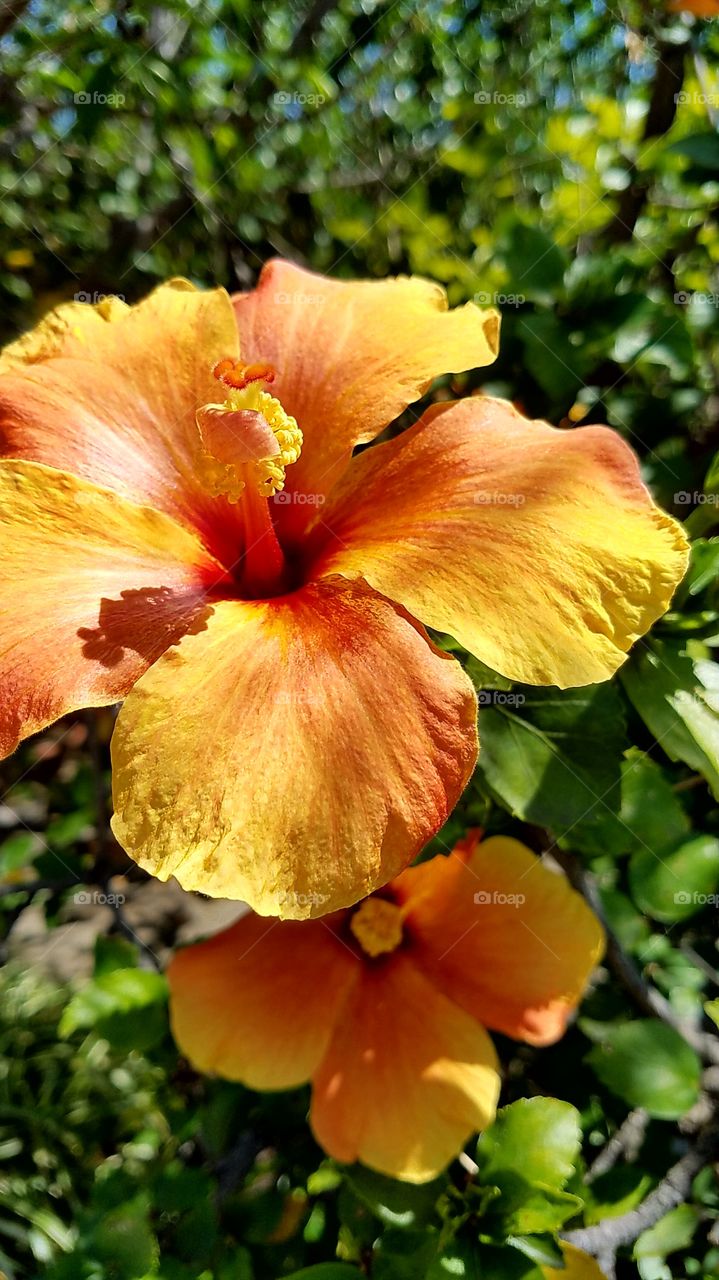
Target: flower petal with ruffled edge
{"x": 258, "y": 1003}
{"x": 94, "y": 589}
{"x": 407, "y": 1078}
{"x": 539, "y": 550}
{"x": 350, "y": 356}
{"x": 110, "y": 392}
{"x": 296, "y": 754}
{"x": 510, "y": 939}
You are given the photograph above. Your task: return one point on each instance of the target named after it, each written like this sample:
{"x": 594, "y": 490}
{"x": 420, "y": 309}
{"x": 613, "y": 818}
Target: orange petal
{"x": 296, "y": 754}
{"x": 258, "y": 1002}
{"x": 508, "y": 939}
{"x": 540, "y": 550}
{"x": 407, "y": 1078}
{"x": 351, "y": 355}
{"x": 93, "y": 590}
{"x": 110, "y": 392}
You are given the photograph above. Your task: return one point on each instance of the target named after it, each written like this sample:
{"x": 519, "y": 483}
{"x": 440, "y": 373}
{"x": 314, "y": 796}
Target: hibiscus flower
{"x": 187, "y": 527}
{"x": 383, "y": 1007}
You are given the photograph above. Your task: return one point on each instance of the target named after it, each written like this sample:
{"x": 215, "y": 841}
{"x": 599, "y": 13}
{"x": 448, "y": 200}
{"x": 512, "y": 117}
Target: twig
{"x": 647, "y": 998}
{"x": 604, "y": 1239}
{"x": 625, "y": 1142}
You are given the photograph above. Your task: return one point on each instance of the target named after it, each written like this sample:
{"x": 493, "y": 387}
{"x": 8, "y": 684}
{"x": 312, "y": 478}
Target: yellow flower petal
{"x": 296, "y": 754}
{"x": 94, "y": 589}
{"x": 540, "y": 550}
{"x": 350, "y": 356}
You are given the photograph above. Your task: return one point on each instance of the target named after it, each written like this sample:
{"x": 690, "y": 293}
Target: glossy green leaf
{"x": 676, "y": 883}
{"x": 647, "y": 1064}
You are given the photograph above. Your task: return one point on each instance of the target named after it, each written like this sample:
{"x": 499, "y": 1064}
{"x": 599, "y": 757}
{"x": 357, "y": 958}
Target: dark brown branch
{"x": 668, "y": 81}
{"x": 612, "y": 1234}
{"x": 646, "y": 998}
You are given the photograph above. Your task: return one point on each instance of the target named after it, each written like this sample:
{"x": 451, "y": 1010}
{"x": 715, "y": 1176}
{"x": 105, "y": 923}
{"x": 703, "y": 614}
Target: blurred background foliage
{"x": 560, "y": 161}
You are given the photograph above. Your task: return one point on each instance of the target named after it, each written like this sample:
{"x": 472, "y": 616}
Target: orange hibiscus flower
{"x": 193, "y": 534}
{"x": 384, "y": 1007}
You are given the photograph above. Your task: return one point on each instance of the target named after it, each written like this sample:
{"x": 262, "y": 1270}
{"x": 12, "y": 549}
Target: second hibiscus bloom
{"x": 384, "y": 1007}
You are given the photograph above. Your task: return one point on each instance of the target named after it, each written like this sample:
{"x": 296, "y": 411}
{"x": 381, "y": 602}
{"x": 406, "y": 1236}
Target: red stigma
{"x": 237, "y": 375}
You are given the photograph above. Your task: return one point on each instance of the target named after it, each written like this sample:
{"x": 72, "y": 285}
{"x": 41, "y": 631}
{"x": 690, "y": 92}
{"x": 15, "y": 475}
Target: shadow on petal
{"x": 146, "y": 621}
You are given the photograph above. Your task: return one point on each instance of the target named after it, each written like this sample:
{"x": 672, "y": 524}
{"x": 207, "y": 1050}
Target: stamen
{"x": 248, "y": 439}
{"x": 377, "y": 926}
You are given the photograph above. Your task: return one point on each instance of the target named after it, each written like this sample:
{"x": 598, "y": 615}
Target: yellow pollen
{"x": 265, "y": 475}
{"x": 377, "y": 926}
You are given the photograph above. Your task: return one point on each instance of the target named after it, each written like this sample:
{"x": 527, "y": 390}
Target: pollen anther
{"x": 377, "y": 926}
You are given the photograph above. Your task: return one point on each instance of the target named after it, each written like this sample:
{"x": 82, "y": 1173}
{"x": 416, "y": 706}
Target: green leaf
{"x": 704, "y": 567}
{"x": 711, "y": 1009}
{"x": 536, "y": 1138}
{"x": 650, "y": 810}
{"x": 555, "y": 760}
{"x": 399, "y": 1204}
{"x": 647, "y": 1064}
{"x": 701, "y": 148}
{"x": 113, "y": 952}
{"x": 126, "y": 1006}
{"x": 326, "y": 1271}
{"x": 529, "y": 1153}
{"x": 669, "y": 692}
{"x": 677, "y": 883}
{"x": 535, "y": 263}
{"x": 404, "y": 1255}
{"x": 672, "y": 1232}
{"x": 542, "y": 1249}
{"x": 126, "y": 1242}
{"x": 616, "y": 1192}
